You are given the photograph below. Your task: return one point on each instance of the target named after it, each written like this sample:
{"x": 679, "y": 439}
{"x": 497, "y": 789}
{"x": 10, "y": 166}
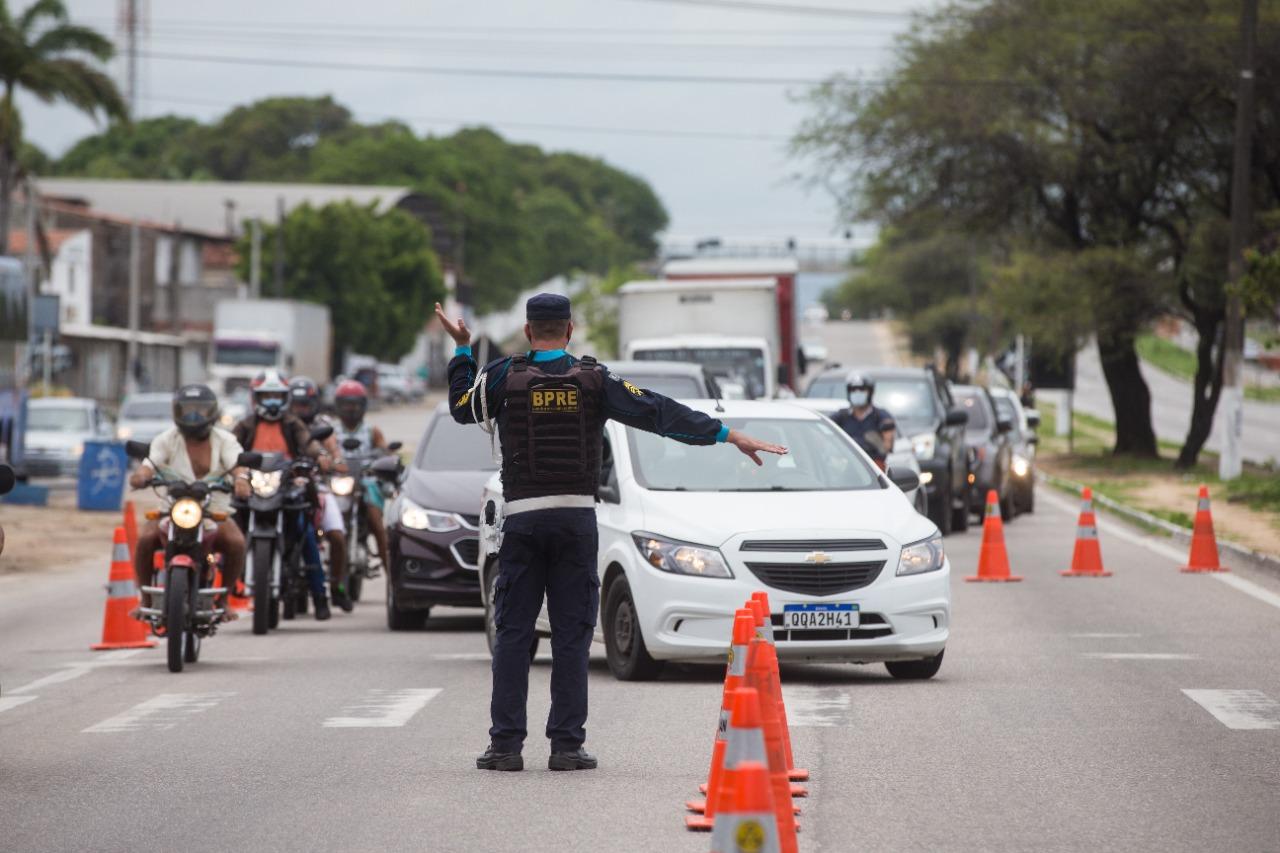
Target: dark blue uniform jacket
{"x": 877, "y": 421}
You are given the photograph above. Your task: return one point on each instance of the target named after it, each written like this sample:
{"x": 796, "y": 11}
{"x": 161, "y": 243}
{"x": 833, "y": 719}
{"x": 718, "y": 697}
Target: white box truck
{"x": 729, "y": 325}
{"x": 252, "y": 335}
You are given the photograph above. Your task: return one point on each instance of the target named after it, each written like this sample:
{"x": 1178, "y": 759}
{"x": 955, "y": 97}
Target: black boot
{"x": 578, "y": 759}
{"x": 341, "y": 598}
{"x": 322, "y": 607}
{"x": 495, "y": 760}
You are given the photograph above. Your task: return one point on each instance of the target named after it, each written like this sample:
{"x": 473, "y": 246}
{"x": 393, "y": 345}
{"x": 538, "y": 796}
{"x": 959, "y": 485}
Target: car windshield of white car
{"x": 450, "y": 446}
{"x": 821, "y": 459}
{"x": 147, "y": 410}
{"x": 58, "y": 419}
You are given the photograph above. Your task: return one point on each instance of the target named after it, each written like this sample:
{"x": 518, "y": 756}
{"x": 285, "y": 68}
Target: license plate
{"x": 800, "y": 617}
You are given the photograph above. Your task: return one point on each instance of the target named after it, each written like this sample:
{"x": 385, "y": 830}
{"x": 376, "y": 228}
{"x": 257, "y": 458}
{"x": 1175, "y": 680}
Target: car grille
{"x": 784, "y": 545}
{"x": 870, "y": 626}
{"x": 808, "y": 579}
{"x": 467, "y": 551}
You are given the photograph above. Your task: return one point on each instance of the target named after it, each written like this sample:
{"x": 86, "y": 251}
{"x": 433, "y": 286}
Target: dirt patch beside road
{"x": 48, "y": 538}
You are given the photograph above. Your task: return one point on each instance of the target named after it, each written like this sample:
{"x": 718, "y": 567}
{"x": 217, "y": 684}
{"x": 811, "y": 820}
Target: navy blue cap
{"x": 547, "y": 306}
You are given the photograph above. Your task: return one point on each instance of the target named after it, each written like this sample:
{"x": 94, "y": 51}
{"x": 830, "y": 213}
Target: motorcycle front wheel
{"x": 263, "y": 604}
{"x": 175, "y": 616}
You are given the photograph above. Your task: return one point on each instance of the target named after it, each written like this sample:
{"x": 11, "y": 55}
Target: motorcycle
{"x": 350, "y": 490}
{"x": 182, "y": 608}
{"x": 282, "y": 500}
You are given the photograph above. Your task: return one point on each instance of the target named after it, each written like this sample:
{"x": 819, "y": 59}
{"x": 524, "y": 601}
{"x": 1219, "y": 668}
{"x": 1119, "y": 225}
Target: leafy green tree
{"x": 163, "y": 148}
{"x": 375, "y": 272}
{"x": 44, "y": 54}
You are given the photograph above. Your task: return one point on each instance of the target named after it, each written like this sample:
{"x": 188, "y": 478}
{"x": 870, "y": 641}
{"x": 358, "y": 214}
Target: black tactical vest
{"x": 552, "y": 429}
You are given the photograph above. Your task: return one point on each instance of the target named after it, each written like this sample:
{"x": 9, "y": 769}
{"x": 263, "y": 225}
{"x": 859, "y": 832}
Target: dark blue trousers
{"x": 548, "y": 552}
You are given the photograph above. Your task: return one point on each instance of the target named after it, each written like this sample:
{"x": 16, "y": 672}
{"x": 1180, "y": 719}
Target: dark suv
{"x": 926, "y": 413}
{"x": 991, "y": 457}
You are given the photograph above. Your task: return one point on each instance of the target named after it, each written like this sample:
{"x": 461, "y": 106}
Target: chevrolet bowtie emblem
{"x": 818, "y": 557}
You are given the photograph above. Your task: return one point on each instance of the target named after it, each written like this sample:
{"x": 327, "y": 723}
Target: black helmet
{"x": 195, "y": 408}
{"x": 856, "y": 383}
{"x": 304, "y": 398}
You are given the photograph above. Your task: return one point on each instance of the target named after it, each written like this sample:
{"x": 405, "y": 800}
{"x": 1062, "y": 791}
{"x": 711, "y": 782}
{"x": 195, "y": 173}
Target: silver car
{"x": 144, "y": 416}
{"x": 57, "y": 429}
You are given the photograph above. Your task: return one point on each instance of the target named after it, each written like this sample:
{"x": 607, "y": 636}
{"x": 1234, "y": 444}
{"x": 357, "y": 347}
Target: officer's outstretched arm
{"x": 753, "y": 447}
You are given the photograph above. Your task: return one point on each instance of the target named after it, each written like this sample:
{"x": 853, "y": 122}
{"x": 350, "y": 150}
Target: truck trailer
{"x": 253, "y": 335}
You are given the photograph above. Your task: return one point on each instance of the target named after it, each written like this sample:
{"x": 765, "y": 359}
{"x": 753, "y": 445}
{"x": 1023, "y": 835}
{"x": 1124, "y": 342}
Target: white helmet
{"x": 270, "y": 395}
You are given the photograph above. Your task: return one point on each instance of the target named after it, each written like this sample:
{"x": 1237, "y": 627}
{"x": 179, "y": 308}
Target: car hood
{"x": 38, "y": 440}
{"x": 143, "y": 428}
{"x": 449, "y": 491}
{"x": 713, "y": 518}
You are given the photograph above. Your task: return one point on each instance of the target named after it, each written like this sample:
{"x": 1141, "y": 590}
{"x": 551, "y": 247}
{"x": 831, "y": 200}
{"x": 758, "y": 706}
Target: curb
{"x": 1270, "y": 562}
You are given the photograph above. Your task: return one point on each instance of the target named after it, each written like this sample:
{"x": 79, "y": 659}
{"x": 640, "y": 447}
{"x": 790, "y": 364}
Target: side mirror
{"x": 249, "y": 459}
{"x": 7, "y": 479}
{"x": 321, "y": 432}
{"x": 1033, "y": 439}
{"x": 957, "y": 417}
{"x": 1004, "y": 425}
{"x": 350, "y": 444}
{"x": 904, "y": 478}
{"x": 1033, "y": 418}
{"x": 395, "y": 445}
{"x": 137, "y": 449}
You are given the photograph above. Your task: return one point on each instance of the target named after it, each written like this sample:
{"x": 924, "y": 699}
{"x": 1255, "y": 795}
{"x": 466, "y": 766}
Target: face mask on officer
{"x": 859, "y": 398}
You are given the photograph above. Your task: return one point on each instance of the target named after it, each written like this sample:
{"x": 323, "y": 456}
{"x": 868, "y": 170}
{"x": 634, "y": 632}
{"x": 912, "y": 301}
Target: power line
{"x": 788, "y": 9}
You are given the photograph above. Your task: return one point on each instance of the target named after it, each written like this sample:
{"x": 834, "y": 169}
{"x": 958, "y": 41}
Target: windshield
{"x": 676, "y": 387}
{"x": 826, "y": 386}
{"x": 452, "y": 446}
{"x": 147, "y": 410}
{"x": 250, "y": 353}
{"x": 906, "y": 399}
{"x": 979, "y": 418}
{"x": 740, "y": 364}
{"x": 59, "y": 419}
{"x": 821, "y": 459}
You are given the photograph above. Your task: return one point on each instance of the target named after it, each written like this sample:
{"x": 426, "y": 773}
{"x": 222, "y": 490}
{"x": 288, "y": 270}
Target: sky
{"x": 716, "y": 152}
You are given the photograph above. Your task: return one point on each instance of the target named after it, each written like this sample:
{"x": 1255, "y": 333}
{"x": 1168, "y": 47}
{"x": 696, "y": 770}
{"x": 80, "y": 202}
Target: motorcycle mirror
{"x": 249, "y": 459}
{"x": 321, "y": 432}
{"x": 395, "y": 445}
{"x": 351, "y": 444}
{"x": 137, "y": 449}
{"x": 387, "y": 466}
{"x": 7, "y": 479}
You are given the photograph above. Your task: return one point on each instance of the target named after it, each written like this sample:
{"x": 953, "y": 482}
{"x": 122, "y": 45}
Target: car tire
{"x": 942, "y": 512}
{"x": 1008, "y": 506}
{"x": 628, "y": 658}
{"x": 960, "y": 516}
{"x": 403, "y": 620}
{"x": 1029, "y": 501}
{"x": 915, "y": 670}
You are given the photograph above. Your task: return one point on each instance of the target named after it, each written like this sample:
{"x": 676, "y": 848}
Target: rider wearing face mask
{"x": 871, "y": 427}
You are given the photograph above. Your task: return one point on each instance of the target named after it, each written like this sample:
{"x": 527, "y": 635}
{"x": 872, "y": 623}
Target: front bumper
{"x": 434, "y": 568}
{"x": 47, "y": 463}
{"x": 902, "y": 618}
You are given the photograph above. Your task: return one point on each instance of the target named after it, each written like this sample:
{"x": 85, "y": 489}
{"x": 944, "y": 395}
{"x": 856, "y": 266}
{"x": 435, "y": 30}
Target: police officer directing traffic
{"x": 550, "y": 410}
{"x": 871, "y": 427}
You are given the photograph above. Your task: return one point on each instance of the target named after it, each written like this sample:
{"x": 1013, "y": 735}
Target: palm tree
{"x": 42, "y": 52}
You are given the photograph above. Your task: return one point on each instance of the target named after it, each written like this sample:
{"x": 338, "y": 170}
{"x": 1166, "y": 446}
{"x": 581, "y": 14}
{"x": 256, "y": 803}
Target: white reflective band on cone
{"x": 744, "y": 745}
{"x": 120, "y": 553}
{"x": 738, "y": 660}
{"x": 121, "y": 589}
{"x": 722, "y": 727}
{"x": 1086, "y": 506}
{"x": 744, "y": 833}
{"x": 1089, "y": 532}
{"x": 1203, "y": 504}
{"x": 993, "y": 510}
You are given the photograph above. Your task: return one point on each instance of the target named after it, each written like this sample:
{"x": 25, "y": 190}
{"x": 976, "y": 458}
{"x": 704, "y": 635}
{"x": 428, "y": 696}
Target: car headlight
{"x": 124, "y": 433}
{"x": 265, "y": 483}
{"x": 186, "y": 513}
{"x": 924, "y": 445}
{"x": 1020, "y": 466}
{"x": 681, "y": 558}
{"x": 342, "y": 486}
{"x": 926, "y": 477}
{"x": 77, "y": 451}
{"x": 415, "y": 517}
{"x": 923, "y": 556}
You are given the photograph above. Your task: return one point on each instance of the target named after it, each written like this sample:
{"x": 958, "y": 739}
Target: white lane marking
{"x": 8, "y": 702}
{"x": 159, "y": 713}
{"x": 1104, "y": 636}
{"x": 1248, "y": 587}
{"x": 816, "y": 706}
{"x": 72, "y": 671}
{"x": 1239, "y": 709}
{"x": 1139, "y": 656}
{"x": 383, "y": 709}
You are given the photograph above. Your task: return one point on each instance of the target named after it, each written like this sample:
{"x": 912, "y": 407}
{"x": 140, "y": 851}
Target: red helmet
{"x": 350, "y": 400}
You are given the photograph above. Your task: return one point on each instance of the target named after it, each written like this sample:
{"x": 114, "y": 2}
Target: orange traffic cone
{"x": 131, "y": 527}
{"x": 760, "y": 600}
{"x": 735, "y": 674}
{"x": 748, "y": 824}
{"x": 773, "y": 746}
{"x": 743, "y": 741}
{"x": 1204, "y": 546}
{"x": 119, "y": 630}
{"x": 1086, "y": 559}
{"x": 993, "y": 560}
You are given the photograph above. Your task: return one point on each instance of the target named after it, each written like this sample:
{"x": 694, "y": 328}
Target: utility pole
{"x": 128, "y": 22}
{"x": 135, "y": 292}
{"x": 175, "y": 279}
{"x": 279, "y": 258}
{"x": 255, "y": 259}
{"x": 1232, "y": 402}
{"x": 32, "y": 269}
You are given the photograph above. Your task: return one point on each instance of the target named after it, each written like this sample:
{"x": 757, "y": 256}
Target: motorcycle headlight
{"x": 265, "y": 483}
{"x": 681, "y": 558}
{"x": 924, "y": 445}
{"x": 186, "y": 513}
{"x": 415, "y": 517}
{"x": 923, "y": 556}
{"x": 342, "y": 486}
{"x": 1020, "y": 466}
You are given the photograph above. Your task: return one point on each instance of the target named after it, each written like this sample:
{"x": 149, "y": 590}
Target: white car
{"x": 144, "y": 416}
{"x": 57, "y": 429}
{"x": 853, "y": 572}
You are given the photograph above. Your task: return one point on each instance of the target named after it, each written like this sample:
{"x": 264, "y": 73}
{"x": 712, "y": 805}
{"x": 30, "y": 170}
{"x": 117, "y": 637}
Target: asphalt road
{"x": 1060, "y": 721}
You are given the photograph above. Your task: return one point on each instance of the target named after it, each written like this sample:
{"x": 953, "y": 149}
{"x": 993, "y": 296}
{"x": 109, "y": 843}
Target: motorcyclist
{"x": 271, "y": 428}
{"x": 304, "y": 401}
{"x": 194, "y": 449}
{"x": 351, "y": 401}
{"x": 871, "y": 427}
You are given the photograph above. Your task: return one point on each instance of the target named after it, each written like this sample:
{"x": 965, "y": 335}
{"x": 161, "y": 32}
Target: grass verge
{"x": 1176, "y": 361}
